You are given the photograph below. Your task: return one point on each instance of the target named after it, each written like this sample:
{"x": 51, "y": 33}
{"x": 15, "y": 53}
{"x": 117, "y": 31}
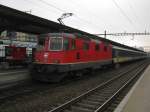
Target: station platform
{"x": 138, "y": 98}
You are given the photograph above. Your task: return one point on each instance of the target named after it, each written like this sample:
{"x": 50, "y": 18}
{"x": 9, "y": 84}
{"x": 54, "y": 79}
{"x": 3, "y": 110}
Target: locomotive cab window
{"x": 56, "y": 43}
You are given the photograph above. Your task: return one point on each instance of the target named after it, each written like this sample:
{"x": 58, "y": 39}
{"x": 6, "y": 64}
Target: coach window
{"x": 97, "y": 47}
{"x": 66, "y": 44}
{"x": 86, "y": 46}
{"x": 73, "y": 44}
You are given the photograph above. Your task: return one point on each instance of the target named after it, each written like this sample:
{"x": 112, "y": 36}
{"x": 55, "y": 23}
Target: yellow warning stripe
{"x": 121, "y": 59}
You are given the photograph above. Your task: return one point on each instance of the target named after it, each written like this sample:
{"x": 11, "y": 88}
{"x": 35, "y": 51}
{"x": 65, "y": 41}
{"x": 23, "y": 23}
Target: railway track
{"x": 13, "y": 68}
{"x": 12, "y": 72}
{"x": 35, "y": 87}
{"x": 12, "y": 78}
{"x": 100, "y": 98}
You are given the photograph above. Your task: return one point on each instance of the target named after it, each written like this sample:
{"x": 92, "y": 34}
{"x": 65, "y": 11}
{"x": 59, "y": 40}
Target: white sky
{"x": 95, "y": 16}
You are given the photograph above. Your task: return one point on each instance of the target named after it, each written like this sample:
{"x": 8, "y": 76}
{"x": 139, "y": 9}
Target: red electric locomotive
{"x": 61, "y": 54}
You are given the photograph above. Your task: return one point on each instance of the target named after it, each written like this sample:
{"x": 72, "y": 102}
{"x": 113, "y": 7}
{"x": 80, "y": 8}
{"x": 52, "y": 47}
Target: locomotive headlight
{"x": 45, "y": 55}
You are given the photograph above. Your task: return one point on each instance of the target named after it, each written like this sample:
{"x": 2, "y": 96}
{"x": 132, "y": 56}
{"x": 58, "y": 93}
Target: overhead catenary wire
{"x": 137, "y": 17}
{"x": 76, "y": 16}
{"x": 51, "y": 5}
{"x": 77, "y": 4}
{"x": 123, "y": 13}
{"x": 37, "y": 5}
{"x": 64, "y": 11}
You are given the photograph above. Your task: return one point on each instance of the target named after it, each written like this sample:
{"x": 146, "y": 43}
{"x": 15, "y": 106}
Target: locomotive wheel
{"x": 40, "y": 74}
{"x": 49, "y": 78}
{"x": 56, "y": 77}
{"x": 91, "y": 71}
{"x": 78, "y": 74}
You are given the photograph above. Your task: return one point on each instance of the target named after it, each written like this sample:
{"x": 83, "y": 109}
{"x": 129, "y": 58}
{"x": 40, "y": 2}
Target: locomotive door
{"x": 77, "y": 52}
{"x": 76, "y": 46}
{"x": 72, "y": 50}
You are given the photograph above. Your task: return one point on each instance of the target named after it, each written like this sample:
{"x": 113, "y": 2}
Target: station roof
{"x": 15, "y": 20}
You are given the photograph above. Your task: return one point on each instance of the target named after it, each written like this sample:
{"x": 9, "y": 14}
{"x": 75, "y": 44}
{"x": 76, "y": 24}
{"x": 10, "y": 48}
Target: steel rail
{"x": 106, "y": 103}
{"x": 14, "y": 73}
{"x": 5, "y": 96}
{"x": 79, "y": 98}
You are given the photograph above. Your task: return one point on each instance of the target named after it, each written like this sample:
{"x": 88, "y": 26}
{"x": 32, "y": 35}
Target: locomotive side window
{"x": 86, "y": 46}
{"x": 66, "y": 44}
{"x": 109, "y": 47}
{"x": 56, "y": 43}
{"x": 105, "y": 48}
{"x": 73, "y": 44}
{"x": 97, "y": 47}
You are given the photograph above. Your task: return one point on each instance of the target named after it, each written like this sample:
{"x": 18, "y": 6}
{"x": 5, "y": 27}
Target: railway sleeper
{"x": 85, "y": 105}
{"x": 80, "y": 109}
{"x": 110, "y": 109}
{"x": 99, "y": 96}
{"x": 104, "y": 91}
{"x": 67, "y": 111}
{"x": 114, "y": 105}
{"x": 98, "y": 100}
{"x": 90, "y": 102}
